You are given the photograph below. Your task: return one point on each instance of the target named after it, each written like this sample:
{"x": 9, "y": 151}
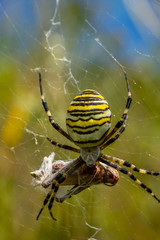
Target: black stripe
{"x": 44, "y": 105}
{"x": 85, "y": 120}
{"x": 133, "y": 177}
{"x": 46, "y": 199}
{"x": 88, "y": 104}
{"x": 123, "y": 170}
{"x": 59, "y": 176}
{"x": 129, "y": 100}
{"x": 90, "y": 126}
{"x": 89, "y": 110}
{"x": 62, "y": 179}
{"x": 83, "y": 99}
{"x": 119, "y": 124}
{"x": 153, "y": 173}
{"x": 146, "y": 188}
{"x": 127, "y": 164}
{"x": 135, "y": 169}
{"x": 92, "y": 141}
{"x": 88, "y": 132}
{"x": 87, "y": 114}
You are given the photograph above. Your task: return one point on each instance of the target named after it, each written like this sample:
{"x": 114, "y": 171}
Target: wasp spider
{"x": 88, "y": 122}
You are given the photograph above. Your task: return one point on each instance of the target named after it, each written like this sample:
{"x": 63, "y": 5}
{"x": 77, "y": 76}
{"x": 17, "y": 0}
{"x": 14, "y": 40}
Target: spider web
{"x": 78, "y": 45}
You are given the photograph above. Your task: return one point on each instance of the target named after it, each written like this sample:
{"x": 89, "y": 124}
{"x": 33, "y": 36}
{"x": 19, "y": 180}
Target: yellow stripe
{"x": 138, "y": 181}
{"x": 132, "y": 166}
{"x": 142, "y": 171}
{"x": 89, "y": 95}
{"x": 102, "y": 107}
{"x": 48, "y": 113}
{"x": 87, "y": 123}
{"x": 42, "y": 97}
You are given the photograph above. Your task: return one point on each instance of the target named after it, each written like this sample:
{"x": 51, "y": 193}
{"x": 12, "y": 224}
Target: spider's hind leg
{"x": 129, "y": 165}
{"x": 113, "y": 139}
{"x": 125, "y": 171}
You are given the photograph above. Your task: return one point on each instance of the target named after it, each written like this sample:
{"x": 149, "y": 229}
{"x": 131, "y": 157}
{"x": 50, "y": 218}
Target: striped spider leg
{"x": 63, "y": 146}
{"x": 123, "y": 121}
{"x": 51, "y": 120}
{"x": 111, "y": 161}
{"x": 113, "y": 139}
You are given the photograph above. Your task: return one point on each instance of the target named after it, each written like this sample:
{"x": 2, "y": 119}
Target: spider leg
{"x": 50, "y": 197}
{"x": 60, "y": 177}
{"x": 125, "y": 171}
{"x": 63, "y": 146}
{"x": 123, "y": 118}
{"x": 129, "y": 165}
{"x": 44, "y": 203}
{"x": 111, "y": 140}
{"x": 44, "y": 103}
{"x": 55, "y": 187}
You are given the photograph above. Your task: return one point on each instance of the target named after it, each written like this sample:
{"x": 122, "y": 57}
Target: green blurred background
{"x": 73, "y": 44}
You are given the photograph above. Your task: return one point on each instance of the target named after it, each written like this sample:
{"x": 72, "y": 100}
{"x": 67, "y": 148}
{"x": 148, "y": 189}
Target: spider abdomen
{"x": 88, "y": 119}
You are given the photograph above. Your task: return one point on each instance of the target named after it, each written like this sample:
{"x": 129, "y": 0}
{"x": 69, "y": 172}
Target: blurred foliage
{"x": 122, "y": 212}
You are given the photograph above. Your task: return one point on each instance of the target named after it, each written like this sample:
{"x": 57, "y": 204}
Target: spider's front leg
{"x": 50, "y": 196}
{"x": 58, "y": 180}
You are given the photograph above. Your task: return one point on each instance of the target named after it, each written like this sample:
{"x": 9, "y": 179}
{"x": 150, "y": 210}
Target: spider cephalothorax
{"x": 88, "y": 122}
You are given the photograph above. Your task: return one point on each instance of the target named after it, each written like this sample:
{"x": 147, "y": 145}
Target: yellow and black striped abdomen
{"x": 88, "y": 119}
